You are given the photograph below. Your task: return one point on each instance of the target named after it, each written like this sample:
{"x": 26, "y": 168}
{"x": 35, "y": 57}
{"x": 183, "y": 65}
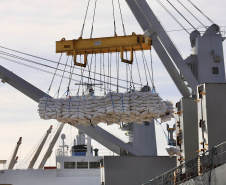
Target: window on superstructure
{"x": 82, "y": 165}
{"x": 69, "y": 165}
{"x": 94, "y": 164}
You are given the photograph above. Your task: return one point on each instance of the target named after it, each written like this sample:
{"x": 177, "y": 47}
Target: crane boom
{"x": 35, "y": 157}
{"x": 14, "y": 158}
{"x": 148, "y": 21}
{"x": 50, "y": 148}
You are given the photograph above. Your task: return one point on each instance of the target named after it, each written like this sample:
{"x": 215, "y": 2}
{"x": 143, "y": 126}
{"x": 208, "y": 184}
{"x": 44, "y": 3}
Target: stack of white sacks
{"x": 112, "y": 108}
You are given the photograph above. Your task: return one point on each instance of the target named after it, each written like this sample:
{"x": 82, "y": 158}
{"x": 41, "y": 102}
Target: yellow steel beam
{"x": 103, "y": 45}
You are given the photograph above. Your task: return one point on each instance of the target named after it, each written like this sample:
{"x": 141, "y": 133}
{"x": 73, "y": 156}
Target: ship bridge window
{"x": 69, "y": 165}
{"x": 82, "y": 165}
{"x": 94, "y": 164}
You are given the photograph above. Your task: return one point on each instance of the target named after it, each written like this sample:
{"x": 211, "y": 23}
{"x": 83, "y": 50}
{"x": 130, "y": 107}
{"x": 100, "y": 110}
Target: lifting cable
{"x": 85, "y": 19}
{"x": 91, "y": 34}
{"x": 127, "y": 81}
{"x": 104, "y": 76}
{"x": 148, "y": 68}
{"x": 152, "y": 72}
{"x": 37, "y": 63}
{"x": 81, "y": 81}
{"x": 54, "y": 62}
{"x": 108, "y": 69}
{"x": 117, "y": 69}
{"x": 54, "y": 74}
{"x": 131, "y": 77}
{"x": 113, "y": 11}
{"x": 191, "y": 13}
{"x": 124, "y": 31}
{"x": 181, "y": 14}
{"x": 138, "y": 68}
{"x": 70, "y": 76}
{"x": 144, "y": 67}
{"x": 100, "y": 71}
{"x": 95, "y": 70}
{"x": 172, "y": 16}
{"x": 89, "y": 69}
{"x": 62, "y": 78}
{"x": 10, "y": 60}
{"x": 42, "y": 70}
{"x": 201, "y": 12}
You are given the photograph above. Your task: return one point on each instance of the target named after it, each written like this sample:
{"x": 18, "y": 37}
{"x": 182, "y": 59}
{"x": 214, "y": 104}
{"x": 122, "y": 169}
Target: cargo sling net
{"x": 98, "y": 61}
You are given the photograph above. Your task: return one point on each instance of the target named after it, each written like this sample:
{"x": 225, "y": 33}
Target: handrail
{"x": 199, "y": 165}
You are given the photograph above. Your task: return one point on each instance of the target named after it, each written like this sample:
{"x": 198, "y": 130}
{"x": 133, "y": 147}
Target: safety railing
{"x": 199, "y": 165}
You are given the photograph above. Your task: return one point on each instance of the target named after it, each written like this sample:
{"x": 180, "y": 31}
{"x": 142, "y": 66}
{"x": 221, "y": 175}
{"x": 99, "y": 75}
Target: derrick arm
{"x": 51, "y": 145}
{"x": 97, "y": 133}
{"x": 13, "y": 160}
{"x": 161, "y": 41}
{"x": 35, "y": 157}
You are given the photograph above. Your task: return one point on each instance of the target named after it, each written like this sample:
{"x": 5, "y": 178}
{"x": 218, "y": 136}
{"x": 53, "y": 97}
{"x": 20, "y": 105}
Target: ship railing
{"x": 59, "y": 152}
{"x": 195, "y": 168}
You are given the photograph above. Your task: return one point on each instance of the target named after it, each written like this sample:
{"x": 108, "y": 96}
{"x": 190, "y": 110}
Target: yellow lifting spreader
{"x": 103, "y": 45}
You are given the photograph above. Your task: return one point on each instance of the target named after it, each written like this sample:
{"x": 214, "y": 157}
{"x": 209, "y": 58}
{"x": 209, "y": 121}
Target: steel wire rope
{"x": 144, "y": 67}
{"x": 127, "y": 77}
{"x": 117, "y": 69}
{"x": 131, "y": 77}
{"x": 113, "y": 11}
{"x": 54, "y": 73}
{"x": 10, "y": 60}
{"x": 191, "y": 13}
{"x": 85, "y": 19}
{"x": 31, "y": 153}
{"x": 89, "y": 69}
{"x": 28, "y": 60}
{"x": 94, "y": 13}
{"x": 201, "y": 11}
{"x": 52, "y": 68}
{"x": 147, "y": 66}
{"x": 122, "y": 18}
{"x": 138, "y": 68}
{"x": 172, "y": 15}
{"x": 181, "y": 14}
{"x": 62, "y": 78}
{"x": 108, "y": 68}
{"x": 70, "y": 76}
{"x": 152, "y": 72}
{"x": 104, "y": 76}
{"x": 81, "y": 81}
{"x": 100, "y": 71}
{"x": 95, "y": 60}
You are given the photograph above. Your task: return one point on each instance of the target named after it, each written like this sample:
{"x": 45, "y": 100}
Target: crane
{"x": 14, "y": 159}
